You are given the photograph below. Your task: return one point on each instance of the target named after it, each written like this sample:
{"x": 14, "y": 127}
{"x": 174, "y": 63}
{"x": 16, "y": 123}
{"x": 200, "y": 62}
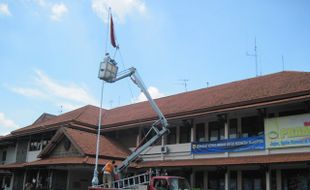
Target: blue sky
{"x": 50, "y": 50}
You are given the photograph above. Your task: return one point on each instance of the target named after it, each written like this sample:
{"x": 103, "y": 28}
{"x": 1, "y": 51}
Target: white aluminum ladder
{"x": 131, "y": 182}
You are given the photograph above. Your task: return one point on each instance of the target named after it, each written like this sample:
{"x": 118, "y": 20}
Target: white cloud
{"x": 42, "y": 3}
{"x": 6, "y": 125}
{"x": 154, "y": 92}
{"x": 69, "y": 96}
{"x": 4, "y": 9}
{"x": 58, "y": 11}
{"x": 71, "y": 92}
{"x": 120, "y": 8}
{"x": 28, "y": 92}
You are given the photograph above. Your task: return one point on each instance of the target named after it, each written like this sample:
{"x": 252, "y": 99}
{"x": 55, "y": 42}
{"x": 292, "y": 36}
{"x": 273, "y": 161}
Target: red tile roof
{"x": 269, "y": 87}
{"x": 86, "y": 160}
{"x": 44, "y": 117}
{"x": 87, "y": 115}
{"x": 245, "y": 92}
{"x": 266, "y": 159}
{"x": 246, "y": 160}
{"x": 85, "y": 143}
{"x": 68, "y": 160}
{"x": 12, "y": 165}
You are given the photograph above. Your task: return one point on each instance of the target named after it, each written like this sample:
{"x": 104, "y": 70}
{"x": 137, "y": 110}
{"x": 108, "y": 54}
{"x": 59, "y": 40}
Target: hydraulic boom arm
{"x": 108, "y": 73}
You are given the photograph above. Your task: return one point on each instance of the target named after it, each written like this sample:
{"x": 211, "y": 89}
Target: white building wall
{"x": 183, "y": 151}
{"x": 32, "y": 155}
{"x": 10, "y": 155}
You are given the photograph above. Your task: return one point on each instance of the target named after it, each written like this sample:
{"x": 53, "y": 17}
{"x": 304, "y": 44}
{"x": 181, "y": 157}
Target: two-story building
{"x": 248, "y": 134}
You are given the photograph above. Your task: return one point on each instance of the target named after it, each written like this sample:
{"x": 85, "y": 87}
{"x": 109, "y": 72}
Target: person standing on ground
{"x": 107, "y": 171}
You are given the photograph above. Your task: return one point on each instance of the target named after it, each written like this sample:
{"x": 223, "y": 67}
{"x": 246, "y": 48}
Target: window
{"x": 233, "y": 128}
{"x": 200, "y": 132}
{"x": 252, "y": 126}
{"x": 172, "y": 138}
{"x": 216, "y": 131}
{"x": 253, "y": 180}
{"x": 233, "y": 180}
{"x": 35, "y": 145}
{"x": 146, "y": 135}
{"x": 216, "y": 180}
{"x": 3, "y": 156}
{"x": 295, "y": 179}
{"x": 185, "y": 134}
{"x": 291, "y": 112}
{"x": 44, "y": 143}
{"x": 161, "y": 184}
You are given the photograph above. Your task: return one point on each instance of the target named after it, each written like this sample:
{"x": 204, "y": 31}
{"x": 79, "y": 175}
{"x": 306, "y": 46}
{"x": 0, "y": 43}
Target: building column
{"x": 279, "y": 179}
{"x": 227, "y": 176}
{"x": 25, "y": 176}
{"x": 205, "y": 180}
{"x": 193, "y": 133}
{"x": 226, "y": 130}
{"x": 268, "y": 179}
{"x": 68, "y": 179}
{"x": 178, "y": 134}
{"x": 239, "y": 180}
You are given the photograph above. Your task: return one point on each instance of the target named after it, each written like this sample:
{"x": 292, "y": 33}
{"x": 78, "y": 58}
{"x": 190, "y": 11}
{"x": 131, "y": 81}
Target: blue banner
{"x": 229, "y": 145}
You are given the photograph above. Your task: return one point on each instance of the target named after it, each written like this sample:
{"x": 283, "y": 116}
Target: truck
{"x": 150, "y": 180}
{"x": 155, "y": 183}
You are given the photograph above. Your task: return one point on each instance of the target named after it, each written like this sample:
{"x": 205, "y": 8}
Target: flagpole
{"x": 95, "y": 180}
{"x": 108, "y": 28}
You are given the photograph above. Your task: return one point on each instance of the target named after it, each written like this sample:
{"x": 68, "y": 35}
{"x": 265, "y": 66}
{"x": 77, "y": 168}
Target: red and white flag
{"x": 112, "y": 33}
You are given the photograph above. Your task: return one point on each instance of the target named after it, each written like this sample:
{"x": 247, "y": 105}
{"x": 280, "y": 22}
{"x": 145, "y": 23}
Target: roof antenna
{"x": 254, "y": 55}
{"x": 184, "y": 82}
{"x": 60, "y": 109}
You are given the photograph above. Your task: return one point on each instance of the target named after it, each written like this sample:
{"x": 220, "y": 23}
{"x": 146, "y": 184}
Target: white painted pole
{"x": 268, "y": 179}
{"x": 95, "y": 180}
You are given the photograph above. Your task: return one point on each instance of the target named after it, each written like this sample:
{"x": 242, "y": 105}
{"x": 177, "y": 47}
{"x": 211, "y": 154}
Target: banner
{"x": 290, "y": 131}
{"x": 229, "y": 145}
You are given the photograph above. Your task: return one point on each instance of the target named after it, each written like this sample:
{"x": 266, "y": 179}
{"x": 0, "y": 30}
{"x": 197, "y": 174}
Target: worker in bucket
{"x": 108, "y": 171}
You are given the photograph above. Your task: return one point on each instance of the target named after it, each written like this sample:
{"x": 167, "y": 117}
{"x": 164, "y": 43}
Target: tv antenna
{"x": 184, "y": 83}
{"x": 255, "y": 55}
{"x": 60, "y": 111}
